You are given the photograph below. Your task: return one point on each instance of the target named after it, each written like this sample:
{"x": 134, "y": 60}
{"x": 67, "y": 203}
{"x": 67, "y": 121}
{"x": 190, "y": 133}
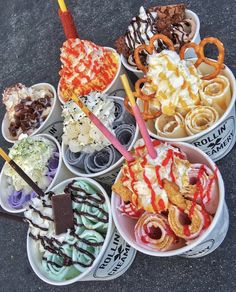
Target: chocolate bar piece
{"x": 63, "y": 213}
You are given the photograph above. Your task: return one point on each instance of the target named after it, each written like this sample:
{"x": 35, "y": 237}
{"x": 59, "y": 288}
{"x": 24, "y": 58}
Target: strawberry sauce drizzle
{"x": 147, "y": 181}
{"x": 212, "y": 179}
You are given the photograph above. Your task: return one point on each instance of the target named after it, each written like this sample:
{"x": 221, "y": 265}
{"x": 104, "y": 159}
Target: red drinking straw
{"x": 67, "y": 21}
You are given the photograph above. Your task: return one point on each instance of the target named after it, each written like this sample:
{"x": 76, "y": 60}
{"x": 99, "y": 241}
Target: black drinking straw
{"x": 21, "y": 173}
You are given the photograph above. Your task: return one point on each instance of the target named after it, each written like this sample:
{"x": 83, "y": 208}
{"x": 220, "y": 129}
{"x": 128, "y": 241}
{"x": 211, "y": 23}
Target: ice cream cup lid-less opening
{"x": 196, "y": 38}
{"x": 208, "y": 69}
{"x": 5, "y": 122}
{"x": 108, "y": 87}
{"x": 4, "y": 183}
{"x": 125, "y": 225}
{"x": 109, "y": 169}
{"x": 34, "y": 256}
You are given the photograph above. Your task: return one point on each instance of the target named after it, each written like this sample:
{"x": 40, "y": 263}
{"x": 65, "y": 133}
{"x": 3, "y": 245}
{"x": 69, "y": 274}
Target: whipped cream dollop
{"x": 143, "y": 177}
{"x": 80, "y": 134}
{"x": 175, "y": 82}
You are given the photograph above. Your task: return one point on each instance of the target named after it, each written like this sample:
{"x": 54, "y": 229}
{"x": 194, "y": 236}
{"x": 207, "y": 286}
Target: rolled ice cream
{"x": 172, "y": 199}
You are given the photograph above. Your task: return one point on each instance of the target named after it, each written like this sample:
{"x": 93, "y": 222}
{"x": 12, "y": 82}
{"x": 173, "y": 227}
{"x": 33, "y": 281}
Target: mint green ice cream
{"x": 67, "y": 255}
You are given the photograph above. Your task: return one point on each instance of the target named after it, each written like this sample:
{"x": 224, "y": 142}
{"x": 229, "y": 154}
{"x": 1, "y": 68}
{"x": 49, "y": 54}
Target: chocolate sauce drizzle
{"x": 135, "y": 37}
{"x": 54, "y": 246}
{"x": 180, "y": 38}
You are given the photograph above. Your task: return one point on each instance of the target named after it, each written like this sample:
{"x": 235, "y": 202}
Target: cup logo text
{"x": 219, "y": 141}
{"x": 117, "y": 258}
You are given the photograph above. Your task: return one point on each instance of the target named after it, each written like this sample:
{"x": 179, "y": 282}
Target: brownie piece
{"x": 121, "y": 47}
{"x": 167, "y": 15}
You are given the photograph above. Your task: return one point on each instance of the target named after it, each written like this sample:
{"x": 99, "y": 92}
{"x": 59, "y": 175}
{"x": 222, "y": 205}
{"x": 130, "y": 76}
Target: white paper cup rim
{"x": 36, "y": 131}
{"x": 110, "y": 168}
{"x": 2, "y": 175}
{"x": 212, "y": 127}
{"x": 103, "y": 249}
{"x": 201, "y": 238}
{"x": 196, "y": 20}
{"x": 108, "y": 87}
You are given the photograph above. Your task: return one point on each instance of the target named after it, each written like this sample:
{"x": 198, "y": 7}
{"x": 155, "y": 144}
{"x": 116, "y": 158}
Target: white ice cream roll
{"x": 200, "y": 118}
{"x": 170, "y": 126}
{"x": 216, "y": 93}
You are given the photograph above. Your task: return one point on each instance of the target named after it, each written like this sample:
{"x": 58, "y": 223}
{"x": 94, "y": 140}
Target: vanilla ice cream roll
{"x": 101, "y": 160}
{"x": 153, "y": 232}
{"x": 216, "y": 93}
{"x": 121, "y": 114}
{"x": 75, "y": 158}
{"x": 170, "y": 126}
{"x": 200, "y": 118}
{"x": 125, "y": 134}
{"x": 188, "y": 223}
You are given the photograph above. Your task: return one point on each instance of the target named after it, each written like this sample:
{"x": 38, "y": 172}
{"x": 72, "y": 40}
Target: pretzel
{"x": 199, "y": 50}
{"x": 145, "y": 113}
{"x": 149, "y": 48}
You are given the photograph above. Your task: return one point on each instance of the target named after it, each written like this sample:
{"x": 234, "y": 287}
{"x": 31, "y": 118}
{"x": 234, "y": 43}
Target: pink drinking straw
{"x": 139, "y": 118}
{"x": 114, "y": 141}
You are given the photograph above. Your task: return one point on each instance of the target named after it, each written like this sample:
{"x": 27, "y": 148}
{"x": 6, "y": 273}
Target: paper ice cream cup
{"x": 219, "y": 139}
{"x": 115, "y": 256}
{"x": 189, "y": 52}
{"x": 53, "y": 123}
{"x": 107, "y": 176}
{"x": 205, "y": 243}
{"x": 61, "y": 173}
{"x": 114, "y": 88}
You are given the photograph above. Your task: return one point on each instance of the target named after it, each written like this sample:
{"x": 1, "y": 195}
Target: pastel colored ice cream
{"x": 69, "y": 254}
{"x": 172, "y": 200}
{"x": 27, "y": 108}
{"x": 39, "y": 159}
{"x": 86, "y": 67}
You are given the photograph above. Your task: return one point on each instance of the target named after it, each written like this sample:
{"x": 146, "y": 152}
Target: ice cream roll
{"x": 130, "y": 210}
{"x": 121, "y": 114}
{"x": 188, "y": 223}
{"x": 75, "y": 158}
{"x": 152, "y": 231}
{"x": 125, "y": 134}
{"x": 216, "y": 93}
{"x": 101, "y": 160}
{"x": 170, "y": 126}
{"x": 202, "y": 187}
{"x": 200, "y": 118}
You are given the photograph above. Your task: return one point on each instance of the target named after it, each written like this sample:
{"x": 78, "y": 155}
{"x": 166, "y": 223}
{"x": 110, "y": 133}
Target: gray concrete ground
{"x": 31, "y": 36}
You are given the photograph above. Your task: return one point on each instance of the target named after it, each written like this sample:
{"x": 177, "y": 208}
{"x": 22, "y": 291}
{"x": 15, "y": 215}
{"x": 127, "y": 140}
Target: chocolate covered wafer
{"x": 63, "y": 213}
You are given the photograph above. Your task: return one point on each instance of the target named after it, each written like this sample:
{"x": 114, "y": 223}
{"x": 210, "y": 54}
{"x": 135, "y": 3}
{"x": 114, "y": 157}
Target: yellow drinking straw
{"x": 62, "y": 5}
{"x": 138, "y": 117}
